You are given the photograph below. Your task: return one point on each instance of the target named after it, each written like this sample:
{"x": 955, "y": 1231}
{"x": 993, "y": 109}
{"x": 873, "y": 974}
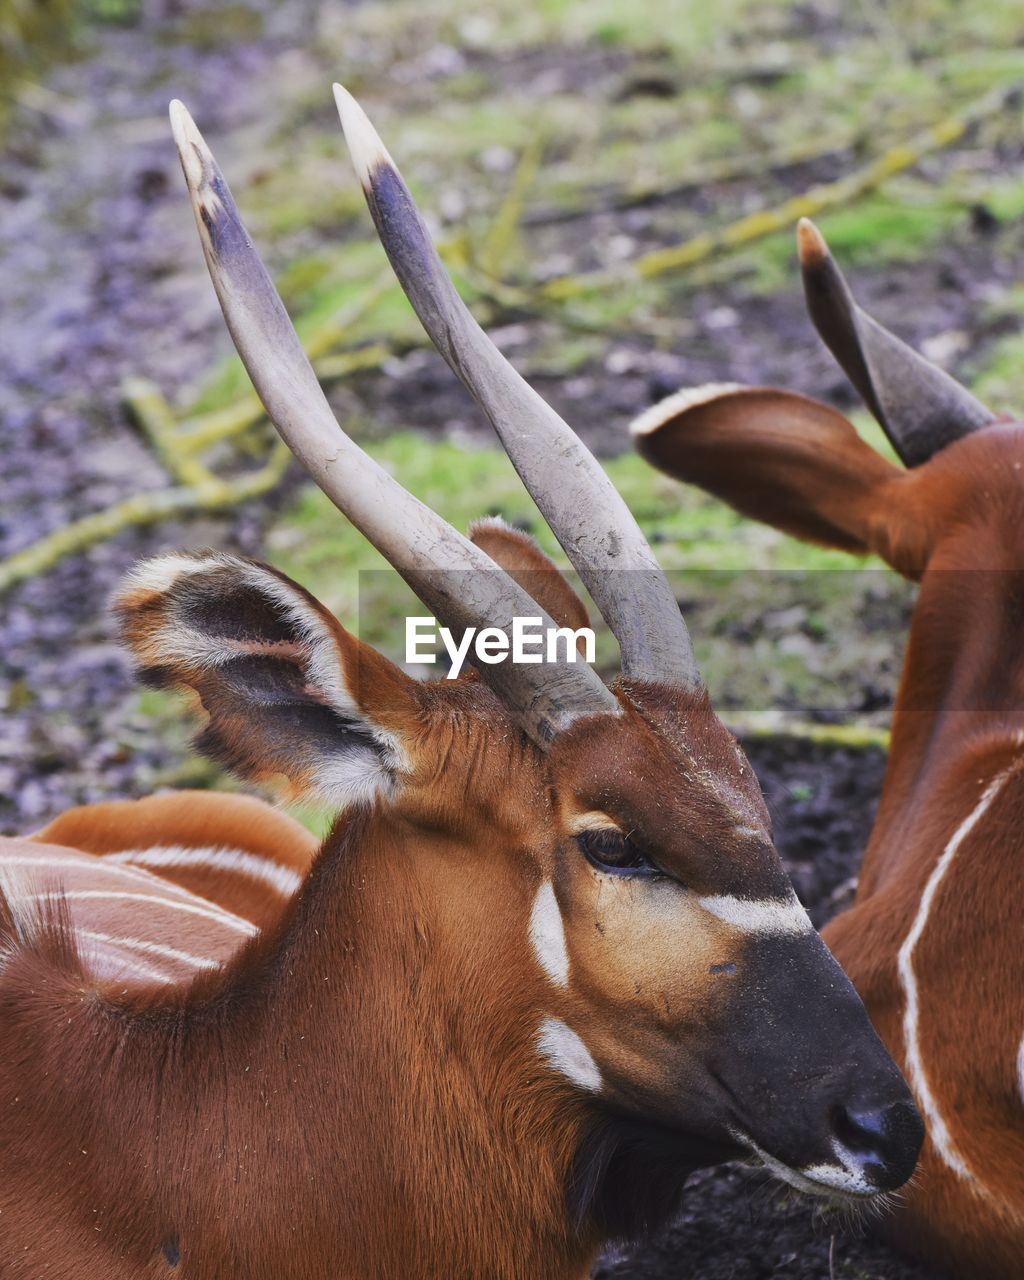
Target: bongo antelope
{"x": 546, "y": 964}
{"x": 935, "y": 937}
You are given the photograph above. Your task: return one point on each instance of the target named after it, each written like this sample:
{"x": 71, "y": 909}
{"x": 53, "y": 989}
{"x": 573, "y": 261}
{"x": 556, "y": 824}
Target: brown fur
{"x": 196, "y": 820}
{"x": 956, "y": 523}
{"x": 523, "y": 560}
{"x": 131, "y": 928}
{"x": 275, "y": 1181}
{"x": 359, "y": 1093}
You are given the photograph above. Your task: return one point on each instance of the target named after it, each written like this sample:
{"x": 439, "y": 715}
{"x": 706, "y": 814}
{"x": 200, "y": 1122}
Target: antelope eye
{"x": 611, "y": 851}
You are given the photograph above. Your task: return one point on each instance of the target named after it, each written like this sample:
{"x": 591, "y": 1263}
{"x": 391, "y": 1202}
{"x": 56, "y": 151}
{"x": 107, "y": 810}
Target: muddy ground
{"x": 101, "y": 279}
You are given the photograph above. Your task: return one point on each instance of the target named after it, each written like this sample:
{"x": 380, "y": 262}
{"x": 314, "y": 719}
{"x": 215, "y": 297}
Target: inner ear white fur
{"x": 323, "y": 660}
{"x": 351, "y": 778}
{"x": 356, "y": 768}
{"x": 160, "y": 573}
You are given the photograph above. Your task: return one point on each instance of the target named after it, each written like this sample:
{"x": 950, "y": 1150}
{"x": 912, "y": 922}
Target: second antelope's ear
{"x": 523, "y": 560}
{"x": 287, "y": 692}
{"x": 776, "y": 456}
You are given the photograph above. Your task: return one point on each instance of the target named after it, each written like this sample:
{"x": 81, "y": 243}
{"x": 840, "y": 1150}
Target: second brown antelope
{"x": 934, "y": 940}
{"x": 545, "y": 965}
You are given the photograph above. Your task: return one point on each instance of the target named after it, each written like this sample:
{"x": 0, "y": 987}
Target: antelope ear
{"x": 776, "y": 456}
{"x": 287, "y": 692}
{"x": 523, "y": 560}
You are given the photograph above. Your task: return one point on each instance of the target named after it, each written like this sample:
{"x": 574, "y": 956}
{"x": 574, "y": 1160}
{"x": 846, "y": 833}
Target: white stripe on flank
{"x": 916, "y": 1072}
{"x": 97, "y": 864}
{"x": 208, "y": 913}
{"x": 217, "y": 858}
{"x": 110, "y": 963}
{"x": 1020, "y": 1069}
{"x": 759, "y": 915}
{"x": 563, "y": 1050}
{"x": 152, "y": 949}
{"x": 547, "y": 934}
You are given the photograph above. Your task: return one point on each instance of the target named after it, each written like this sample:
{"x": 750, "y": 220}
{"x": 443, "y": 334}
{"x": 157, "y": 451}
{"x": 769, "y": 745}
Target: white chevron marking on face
{"x": 759, "y": 915}
{"x": 563, "y": 1050}
{"x": 547, "y": 935}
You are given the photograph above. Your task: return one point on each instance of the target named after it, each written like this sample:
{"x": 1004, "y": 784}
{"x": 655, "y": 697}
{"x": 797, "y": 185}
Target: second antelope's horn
{"x": 920, "y": 407}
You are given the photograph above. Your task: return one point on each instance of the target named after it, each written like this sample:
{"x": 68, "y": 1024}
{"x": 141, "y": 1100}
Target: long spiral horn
{"x": 581, "y": 505}
{"x": 453, "y": 578}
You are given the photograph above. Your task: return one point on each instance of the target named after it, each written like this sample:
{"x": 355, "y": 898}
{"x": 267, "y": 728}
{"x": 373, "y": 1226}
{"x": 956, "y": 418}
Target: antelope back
{"x": 133, "y": 933}
{"x": 238, "y": 852}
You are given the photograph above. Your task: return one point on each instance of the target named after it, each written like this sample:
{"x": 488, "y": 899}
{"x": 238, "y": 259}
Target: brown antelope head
{"x": 806, "y": 471}
{"x": 588, "y": 871}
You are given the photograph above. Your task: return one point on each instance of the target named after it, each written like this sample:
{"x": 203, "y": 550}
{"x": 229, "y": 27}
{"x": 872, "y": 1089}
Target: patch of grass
{"x": 1005, "y": 200}
{"x": 880, "y": 229}
{"x": 889, "y": 228}
{"x": 32, "y": 36}
{"x": 1001, "y": 382}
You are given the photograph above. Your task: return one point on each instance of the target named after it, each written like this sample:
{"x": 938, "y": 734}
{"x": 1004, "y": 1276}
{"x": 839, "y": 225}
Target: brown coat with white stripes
{"x": 464, "y": 1050}
{"x": 935, "y": 940}
{"x": 238, "y": 852}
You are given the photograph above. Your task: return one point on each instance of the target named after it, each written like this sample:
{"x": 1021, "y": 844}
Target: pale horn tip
{"x": 367, "y": 151}
{"x": 810, "y": 244}
{"x": 192, "y": 149}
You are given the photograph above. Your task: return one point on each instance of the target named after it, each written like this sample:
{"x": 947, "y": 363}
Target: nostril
{"x": 860, "y": 1128}
{"x": 886, "y": 1139}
